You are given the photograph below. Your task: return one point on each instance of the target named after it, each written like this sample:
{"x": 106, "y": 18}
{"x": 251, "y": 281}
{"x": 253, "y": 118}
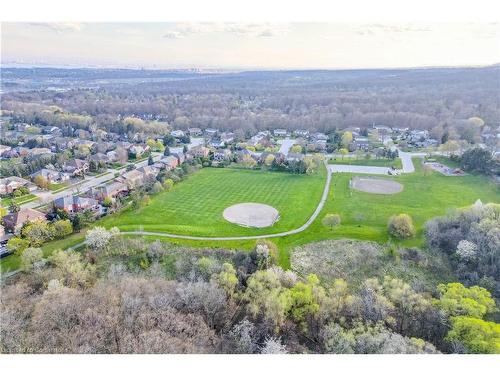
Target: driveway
{"x": 339, "y": 168}
{"x": 286, "y": 145}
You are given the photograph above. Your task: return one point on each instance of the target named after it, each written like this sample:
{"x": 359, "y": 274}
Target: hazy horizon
{"x": 250, "y": 46}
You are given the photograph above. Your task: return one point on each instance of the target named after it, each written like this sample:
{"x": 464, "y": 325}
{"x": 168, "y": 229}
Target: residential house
{"x": 169, "y": 162}
{"x": 61, "y": 143}
{"x": 199, "y": 152}
{"x": 75, "y": 203}
{"x": 227, "y": 137}
{"x": 98, "y": 157}
{"x": 417, "y": 135}
{"x": 112, "y": 156}
{"x": 210, "y": 132}
{"x": 195, "y": 132}
{"x": 301, "y": 133}
{"x": 9, "y": 184}
{"x": 51, "y": 175}
{"x": 177, "y": 133}
{"x": 221, "y": 155}
{"x": 320, "y": 137}
{"x": 14, "y": 221}
{"x": 149, "y": 172}
{"x": 4, "y": 148}
{"x": 280, "y": 133}
{"x": 82, "y": 134}
{"x": 22, "y": 151}
{"x": 39, "y": 151}
{"x": 3, "y": 237}
{"x": 76, "y": 167}
{"x": 180, "y": 156}
{"x": 137, "y": 151}
{"x": 361, "y": 144}
{"x": 112, "y": 190}
{"x": 382, "y": 129}
{"x": 217, "y": 143}
{"x": 132, "y": 179}
{"x": 294, "y": 157}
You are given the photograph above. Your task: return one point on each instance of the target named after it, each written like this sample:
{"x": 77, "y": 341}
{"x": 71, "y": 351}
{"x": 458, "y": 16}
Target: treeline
{"x": 131, "y": 296}
{"x": 438, "y": 100}
{"x": 471, "y": 239}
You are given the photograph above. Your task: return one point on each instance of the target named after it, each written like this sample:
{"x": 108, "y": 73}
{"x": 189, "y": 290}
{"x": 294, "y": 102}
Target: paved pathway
{"x": 346, "y": 168}
{"x": 306, "y": 225}
{"x": 408, "y": 166}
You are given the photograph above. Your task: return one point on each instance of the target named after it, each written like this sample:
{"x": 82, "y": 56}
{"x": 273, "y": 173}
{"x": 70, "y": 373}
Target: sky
{"x": 250, "y": 45}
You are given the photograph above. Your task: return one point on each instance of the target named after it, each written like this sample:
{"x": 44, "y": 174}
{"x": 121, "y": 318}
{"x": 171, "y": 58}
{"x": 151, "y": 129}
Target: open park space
{"x": 425, "y": 195}
{"x": 196, "y": 206}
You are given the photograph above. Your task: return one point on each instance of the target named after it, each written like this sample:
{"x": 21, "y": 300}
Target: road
{"x": 81, "y": 186}
{"x": 286, "y": 145}
{"x": 406, "y": 157}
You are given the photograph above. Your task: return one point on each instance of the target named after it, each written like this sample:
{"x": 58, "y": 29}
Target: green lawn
{"x": 396, "y": 163}
{"x": 58, "y": 187}
{"x": 364, "y": 216}
{"x": 195, "y": 206}
{"x": 19, "y": 200}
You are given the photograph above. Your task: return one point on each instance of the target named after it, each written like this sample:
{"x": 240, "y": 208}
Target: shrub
{"x": 401, "y": 226}
{"x": 62, "y": 228}
{"x": 168, "y": 184}
{"x": 17, "y": 245}
{"x": 331, "y": 220}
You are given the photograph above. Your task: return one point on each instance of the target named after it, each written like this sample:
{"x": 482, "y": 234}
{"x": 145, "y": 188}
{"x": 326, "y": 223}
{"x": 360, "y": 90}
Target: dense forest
{"x": 439, "y": 100}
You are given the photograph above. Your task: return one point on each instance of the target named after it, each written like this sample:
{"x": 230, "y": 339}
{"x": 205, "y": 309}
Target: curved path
{"x": 271, "y": 235}
{"x": 197, "y": 238}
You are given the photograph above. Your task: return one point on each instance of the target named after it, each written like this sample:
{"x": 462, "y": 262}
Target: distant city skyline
{"x": 250, "y": 45}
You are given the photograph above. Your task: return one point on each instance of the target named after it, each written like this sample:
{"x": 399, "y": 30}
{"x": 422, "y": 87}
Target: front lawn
{"x": 58, "y": 186}
{"x": 19, "y": 200}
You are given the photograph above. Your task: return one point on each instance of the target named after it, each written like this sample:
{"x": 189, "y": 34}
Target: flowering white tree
{"x": 98, "y": 238}
{"x": 30, "y": 257}
{"x": 273, "y": 345}
{"x": 466, "y": 250}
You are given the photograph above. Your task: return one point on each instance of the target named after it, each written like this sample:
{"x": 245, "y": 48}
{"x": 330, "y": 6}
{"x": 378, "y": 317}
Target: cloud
{"x": 374, "y": 29}
{"x": 184, "y": 30}
{"x": 59, "y": 27}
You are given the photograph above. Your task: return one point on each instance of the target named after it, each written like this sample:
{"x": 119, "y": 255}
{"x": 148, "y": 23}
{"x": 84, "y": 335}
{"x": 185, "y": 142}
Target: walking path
{"x": 347, "y": 168}
{"x": 198, "y": 238}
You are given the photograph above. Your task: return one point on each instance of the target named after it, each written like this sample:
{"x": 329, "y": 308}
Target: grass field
{"x": 364, "y": 215}
{"x": 195, "y": 206}
{"x": 396, "y": 163}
